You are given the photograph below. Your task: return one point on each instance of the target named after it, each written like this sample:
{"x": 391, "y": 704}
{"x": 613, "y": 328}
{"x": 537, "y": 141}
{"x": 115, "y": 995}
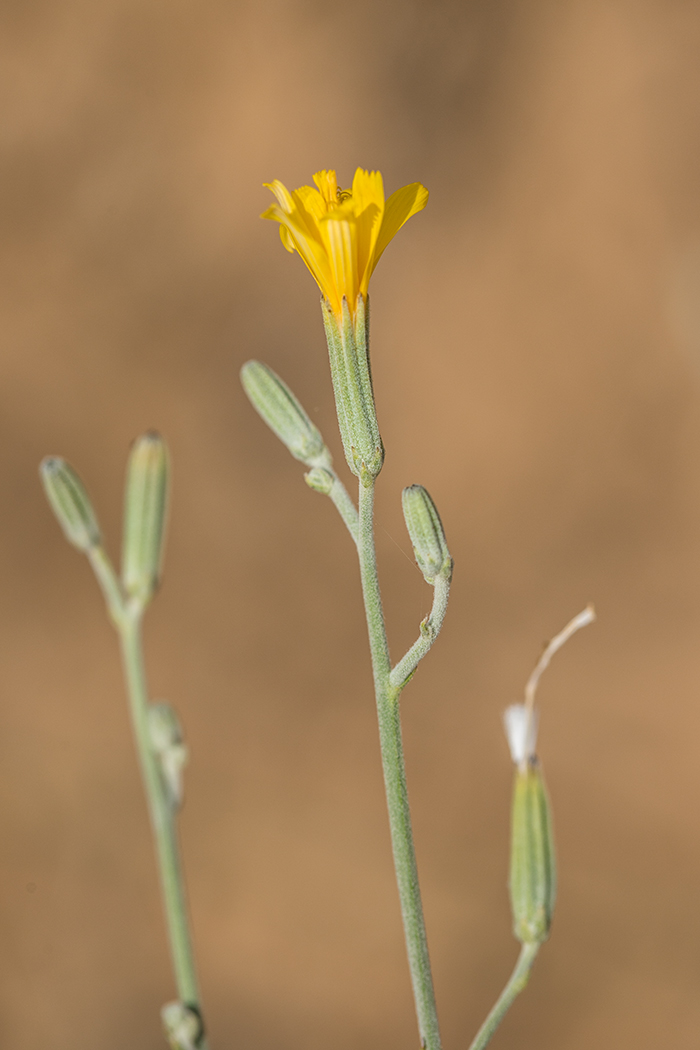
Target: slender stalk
{"x": 379, "y": 647}
{"x": 109, "y": 584}
{"x": 388, "y": 713}
{"x": 516, "y": 984}
{"x": 429, "y": 630}
{"x": 162, "y": 814}
{"x": 344, "y": 505}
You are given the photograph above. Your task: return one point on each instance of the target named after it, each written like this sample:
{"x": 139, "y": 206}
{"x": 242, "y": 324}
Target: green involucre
{"x": 276, "y": 404}
{"x": 145, "y": 509}
{"x": 426, "y": 533}
{"x": 533, "y": 875}
{"x": 348, "y": 350}
{"x": 70, "y": 503}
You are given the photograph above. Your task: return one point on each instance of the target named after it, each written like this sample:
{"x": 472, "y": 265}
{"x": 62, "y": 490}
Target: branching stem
{"x": 387, "y": 696}
{"x": 127, "y": 617}
{"x": 163, "y": 819}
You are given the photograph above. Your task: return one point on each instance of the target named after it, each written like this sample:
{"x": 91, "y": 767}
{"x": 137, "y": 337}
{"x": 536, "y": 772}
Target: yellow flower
{"x": 341, "y": 234}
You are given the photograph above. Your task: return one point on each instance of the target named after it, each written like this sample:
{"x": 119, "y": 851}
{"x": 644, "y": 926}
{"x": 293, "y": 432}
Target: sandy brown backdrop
{"x": 536, "y": 350}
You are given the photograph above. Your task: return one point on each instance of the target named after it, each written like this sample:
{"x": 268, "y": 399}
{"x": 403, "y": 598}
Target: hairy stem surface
{"x": 388, "y": 713}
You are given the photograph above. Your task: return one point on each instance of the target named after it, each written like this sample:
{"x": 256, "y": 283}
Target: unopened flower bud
{"x": 533, "y": 876}
{"x": 70, "y": 503}
{"x": 183, "y": 1026}
{"x": 427, "y": 534}
{"x": 145, "y": 507}
{"x": 274, "y": 401}
{"x": 320, "y": 480}
{"x": 169, "y": 747}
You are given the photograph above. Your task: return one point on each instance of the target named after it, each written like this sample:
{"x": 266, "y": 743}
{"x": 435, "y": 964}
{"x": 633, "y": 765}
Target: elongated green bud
{"x": 427, "y": 534}
{"x": 533, "y": 875}
{"x": 348, "y": 350}
{"x": 145, "y": 506}
{"x": 70, "y": 503}
{"x": 274, "y": 401}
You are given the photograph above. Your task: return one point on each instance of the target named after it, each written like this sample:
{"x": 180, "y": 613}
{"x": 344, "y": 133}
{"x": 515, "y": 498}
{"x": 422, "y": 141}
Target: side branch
{"x": 345, "y": 506}
{"x": 394, "y": 770}
{"x": 429, "y": 630}
{"x": 516, "y": 984}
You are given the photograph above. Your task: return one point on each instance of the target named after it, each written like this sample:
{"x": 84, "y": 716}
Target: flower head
{"x": 341, "y": 234}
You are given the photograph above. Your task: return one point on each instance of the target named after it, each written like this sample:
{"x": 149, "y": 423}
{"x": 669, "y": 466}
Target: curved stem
{"x": 516, "y": 984}
{"x": 429, "y": 630}
{"x": 388, "y": 714}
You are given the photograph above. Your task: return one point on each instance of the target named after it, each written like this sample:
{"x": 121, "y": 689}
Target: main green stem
{"x": 516, "y": 984}
{"x": 393, "y": 765}
{"x": 162, "y": 816}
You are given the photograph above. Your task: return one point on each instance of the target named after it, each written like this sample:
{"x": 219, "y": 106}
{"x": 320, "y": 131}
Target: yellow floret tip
{"x": 341, "y": 234}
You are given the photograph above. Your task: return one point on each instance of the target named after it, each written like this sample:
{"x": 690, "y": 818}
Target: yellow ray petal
{"x": 367, "y": 188}
{"x": 282, "y": 194}
{"x": 328, "y": 185}
{"x": 286, "y": 238}
{"x": 312, "y": 250}
{"x": 368, "y": 205}
{"x": 311, "y": 200}
{"x": 399, "y": 208}
{"x": 341, "y": 245}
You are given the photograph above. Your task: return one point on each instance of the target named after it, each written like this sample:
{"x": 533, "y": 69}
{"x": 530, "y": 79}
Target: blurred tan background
{"x": 536, "y": 351}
